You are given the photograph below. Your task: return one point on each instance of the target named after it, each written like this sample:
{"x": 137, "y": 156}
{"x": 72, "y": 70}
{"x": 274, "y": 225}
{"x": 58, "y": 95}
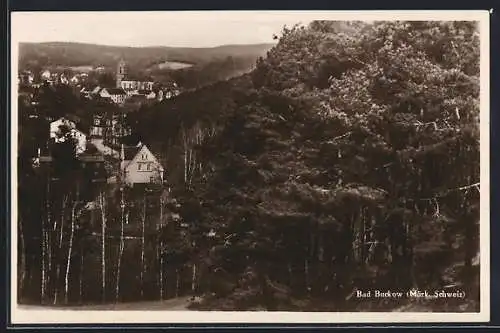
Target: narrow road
{"x": 174, "y": 304}
{"x": 98, "y": 143}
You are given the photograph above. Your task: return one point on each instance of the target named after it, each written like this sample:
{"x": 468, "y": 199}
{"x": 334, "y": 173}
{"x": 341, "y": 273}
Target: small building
{"x": 96, "y": 90}
{"x": 81, "y": 140}
{"x": 140, "y": 166}
{"x": 117, "y": 95}
{"x": 45, "y": 75}
{"x": 60, "y": 126}
{"x": 26, "y": 78}
{"x": 62, "y": 79}
{"x": 136, "y": 84}
{"x": 85, "y": 92}
{"x": 56, "y": 125}
{"x": 98, "y": 126}
{"x": 149, "y": 94}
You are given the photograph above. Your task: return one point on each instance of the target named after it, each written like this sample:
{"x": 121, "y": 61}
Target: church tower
{"x": 121, "y": 73}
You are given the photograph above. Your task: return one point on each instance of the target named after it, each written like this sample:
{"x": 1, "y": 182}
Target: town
{"x": 98, "y": 152}
{"x": 103, "y": 135}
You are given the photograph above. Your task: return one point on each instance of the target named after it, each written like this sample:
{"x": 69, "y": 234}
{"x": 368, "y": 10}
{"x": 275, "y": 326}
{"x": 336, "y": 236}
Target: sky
{"x": 189, "y": 28}
{"x": 181, "y": 29}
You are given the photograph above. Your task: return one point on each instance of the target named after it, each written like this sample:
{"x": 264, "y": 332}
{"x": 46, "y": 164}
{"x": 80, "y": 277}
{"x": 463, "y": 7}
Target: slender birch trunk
{"x": 82, "y": 256}
{"x": 193, "y": 279}
{"x": 22, "y": 265}
{"x": 193, "y": 167}
{"x": 63, "y": 210}
{"x": 185, "y": 154}
{"x": 161, "y": 209}
{"x": 103, "y": 245}
{"x": 161, "y": 273}
{"x": 70, "y": 251}
{"x": 61, "y": 236}
{"x": 42, "y": 284}
{"x": 122, "y": 245}
{"x": 44, "y": 242}
{"x": 176, "y": 282}
{"x": 142, "y": 246}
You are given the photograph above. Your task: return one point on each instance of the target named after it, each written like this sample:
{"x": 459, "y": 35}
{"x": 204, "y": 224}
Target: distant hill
{"x": 139, "y": 58}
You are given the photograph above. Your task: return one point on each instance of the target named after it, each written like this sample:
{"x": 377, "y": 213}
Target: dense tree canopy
{"x": 351, "y": 163}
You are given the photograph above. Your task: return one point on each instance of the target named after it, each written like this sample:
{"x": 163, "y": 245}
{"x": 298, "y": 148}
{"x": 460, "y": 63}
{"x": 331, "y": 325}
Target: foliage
{"x": 352, "y": 162}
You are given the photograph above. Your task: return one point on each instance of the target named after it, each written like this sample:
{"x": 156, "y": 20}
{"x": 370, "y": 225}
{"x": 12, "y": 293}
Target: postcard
{"x": 250, "y": 167}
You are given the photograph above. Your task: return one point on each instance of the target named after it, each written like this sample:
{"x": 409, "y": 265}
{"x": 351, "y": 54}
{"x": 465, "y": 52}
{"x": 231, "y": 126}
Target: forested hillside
{"x": 204, "y": 65}
{"x": 80, "y": 54}
{"x": 347, "y": 160}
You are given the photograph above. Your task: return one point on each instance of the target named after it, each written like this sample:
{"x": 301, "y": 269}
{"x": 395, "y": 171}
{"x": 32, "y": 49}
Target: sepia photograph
{"x": 272, "y": 166}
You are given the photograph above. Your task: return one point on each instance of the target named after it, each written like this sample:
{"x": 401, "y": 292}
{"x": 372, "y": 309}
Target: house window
{"x": 143, "y": 156}
{"x": 151, "y": 179}
{"x": 139, "y": 166}
{"x": 148, "y": 166}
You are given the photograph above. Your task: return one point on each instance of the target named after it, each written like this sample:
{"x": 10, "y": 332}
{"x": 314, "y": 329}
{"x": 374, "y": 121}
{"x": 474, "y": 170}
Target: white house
{"x": 127, "y": 84}
{"x": 96, "y": 90}
{"x": 26, "y": 77}
{"x": 55, "y": 127}
{"x": 81, "y": 140}
{"x": 63, "y": 79}
{"x": 98, "y": 126}
{"x": 80, "y": 137}
{"x": 140, "y": 166}
{"x": 149, "y": 94}
{"x": 45, "y": 75}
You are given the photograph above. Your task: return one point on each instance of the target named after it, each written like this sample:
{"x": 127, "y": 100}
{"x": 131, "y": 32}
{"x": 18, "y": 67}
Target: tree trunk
{"x": 161, "y": 274}
{"x": 82, "y": 256}
{"x": 61, "y": 237}
{"x": 193, "y": 279}
{"x": 22, "y": 264}
{"x": 122, "y": 245}
{"x": 142, "y": 246}
{"x": 70, "y": 250}
{"x": 103, "y": 246}
{"x": 306, "y": 272}
{"x": 44, "y": 242}
{"x": 176, "y": 282}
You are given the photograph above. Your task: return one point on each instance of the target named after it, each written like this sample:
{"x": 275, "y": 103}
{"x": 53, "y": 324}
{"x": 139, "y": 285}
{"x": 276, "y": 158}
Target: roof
{"x": 137, "y": 98}
{"x": 96, "y": 90}
{"x": 132, "y": 77}
{"x": 72, "y": 117}
{"x": 130, "y": 152}
{"x": 115, "y": 91}
{"x": 64, "y": 120}
{"x": 82, "y": 128}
